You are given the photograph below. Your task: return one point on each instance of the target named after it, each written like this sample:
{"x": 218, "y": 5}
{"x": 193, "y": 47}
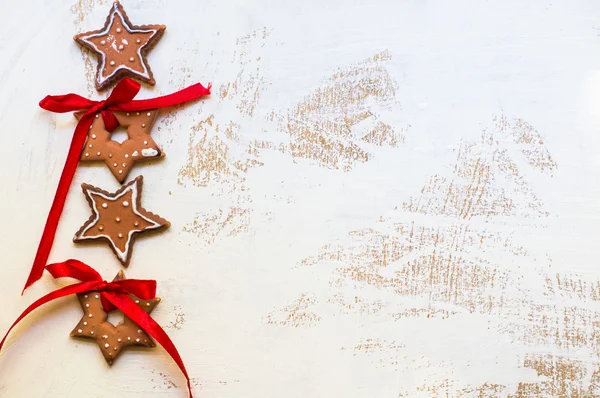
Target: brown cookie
{"x": 110, "y": 338}
{"x": 120, "y": 157}
{"x": 118, "y": 217}
{"x": 121, "y": 48}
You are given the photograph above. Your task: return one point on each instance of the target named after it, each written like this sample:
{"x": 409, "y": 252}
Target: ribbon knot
{"x": 120, "y": 99}
{"x": 92, "y": 281}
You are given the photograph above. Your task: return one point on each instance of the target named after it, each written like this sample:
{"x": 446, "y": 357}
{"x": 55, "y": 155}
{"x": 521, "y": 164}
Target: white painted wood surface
{"x": 380, "y": 199}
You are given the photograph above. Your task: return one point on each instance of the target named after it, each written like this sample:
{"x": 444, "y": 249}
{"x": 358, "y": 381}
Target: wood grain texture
{"x": 380, "y": 199}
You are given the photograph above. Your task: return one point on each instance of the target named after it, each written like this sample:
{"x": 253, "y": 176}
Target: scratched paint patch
{"x": 435, "y": 265}
{"x": 380, "y": 353}
{"x": 179, "y": 320}
{"x": 529, "y": 142}
{"x": 296, "y": 314}
{"x": 218, "y": 155}
{"x": 249, "y": 83}
{"x": 560, "y": 377}
{"x": 332, "y": 125}
{"x": 447, "y": 388}
{"x": 484, "y": 181}
{"x": 567, "y": 321}
{"x": 163, "y": 381}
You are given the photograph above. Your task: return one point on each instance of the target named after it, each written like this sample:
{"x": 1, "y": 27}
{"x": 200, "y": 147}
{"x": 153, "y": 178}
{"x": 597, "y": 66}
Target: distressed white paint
{"x": 458, "y": 65}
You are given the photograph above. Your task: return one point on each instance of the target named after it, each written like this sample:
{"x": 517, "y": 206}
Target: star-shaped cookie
{"x": 121, "y": 48}
{"x": 110, "y": 338}
{"x": 118, "y": 217}
{"x": 120, "y": 157}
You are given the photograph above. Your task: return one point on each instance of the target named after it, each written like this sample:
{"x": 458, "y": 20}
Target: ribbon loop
{"x": 121, "y": 99}
{"x": 74, "y": 269}
{"x": 65, "y": 103}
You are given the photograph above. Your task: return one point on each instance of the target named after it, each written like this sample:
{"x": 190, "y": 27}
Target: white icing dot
{"x": 90, "y": 315}
{"x": 145, "y": 142}
{"x": 110, "y": 155}
{"x": 120, "y": 235}
{"x": 137, "y": 340}
{"x": 79, "y": 331}
{"x": 136, "y": 223}
{"x": 149, "y": 114}
{"x": 124, "y": 41}
{"x": 90, "y": 145}
{"x": 98, "y": 153}
{"x": 105, "y": 337}
{"x": 101, "y": 228}
{"x": 135, "y": 153}
{"x": 143, "y": 125}
{"x": 84, "y": 323}
{"x": 125, "y": 203}
{"x": 103, "y": 42}
{"x": 119, "y": 340}
{"x": 120, "y": 171}
{"x": 97, "y": 296}
{"x": 92, "y": 332}
{"x": 104, "y": 205}
{"x": 128, "y": 113}
{"x": 129, "y": 338}
{"x": 87, "y": 155}
{"x": 137, "y": 113}
{"x": 131, "y": 59}
{"x": 115, "y": 165}
{"x": 106, "y": 345}
{"x": 149, "y": 152}
{"x": 87, "y": 306}
{"x": 126, "y": 155}
{"x": 147, "y": 304}
{"x": 97, "y": 115}
{"x": 139, "y": 331}
{"x": 124, "y": 165}
{"x": 118, "y": 30}
{"x": 121, "y": 47}
{"x": 117, "y": 219}
{"x": 137, "y": 301}
{"x": 115, "y": 348}
{"x": 93, "y": 136}
{"x": 112, "y": 63}
{"x": 85, "y": 296}
{"x": 138, "y": 41}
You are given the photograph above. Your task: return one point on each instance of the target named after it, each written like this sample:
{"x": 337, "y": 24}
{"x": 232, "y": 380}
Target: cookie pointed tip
{"x": 120, "y": 276}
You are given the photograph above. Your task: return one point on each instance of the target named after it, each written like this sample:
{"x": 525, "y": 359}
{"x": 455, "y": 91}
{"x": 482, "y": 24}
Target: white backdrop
{"x": 380, "y": 199}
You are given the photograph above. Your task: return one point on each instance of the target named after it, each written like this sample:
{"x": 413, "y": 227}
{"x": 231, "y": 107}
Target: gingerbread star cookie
{"x": 120, "y": 157}
{"x": 110, "y": 338}
{"x": 118, "y": 217}
{"x": 121, "y": 48}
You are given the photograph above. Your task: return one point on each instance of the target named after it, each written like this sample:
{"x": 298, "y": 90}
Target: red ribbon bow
{"x": 121, "y": 99}
{"x": 114, "y": 295}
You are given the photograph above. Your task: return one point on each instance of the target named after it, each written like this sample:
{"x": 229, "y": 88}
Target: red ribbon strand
{"x": 114, "y": 295}
{"x": 121, "y": 99}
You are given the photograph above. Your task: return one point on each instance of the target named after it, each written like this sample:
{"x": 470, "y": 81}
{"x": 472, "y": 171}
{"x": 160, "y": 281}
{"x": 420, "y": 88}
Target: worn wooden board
{"x": 380, "y": 199}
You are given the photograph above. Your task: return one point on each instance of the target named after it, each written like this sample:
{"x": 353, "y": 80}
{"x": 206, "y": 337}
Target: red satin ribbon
{"x": 114, "y": 295}
{"x": 121, "y": 99}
